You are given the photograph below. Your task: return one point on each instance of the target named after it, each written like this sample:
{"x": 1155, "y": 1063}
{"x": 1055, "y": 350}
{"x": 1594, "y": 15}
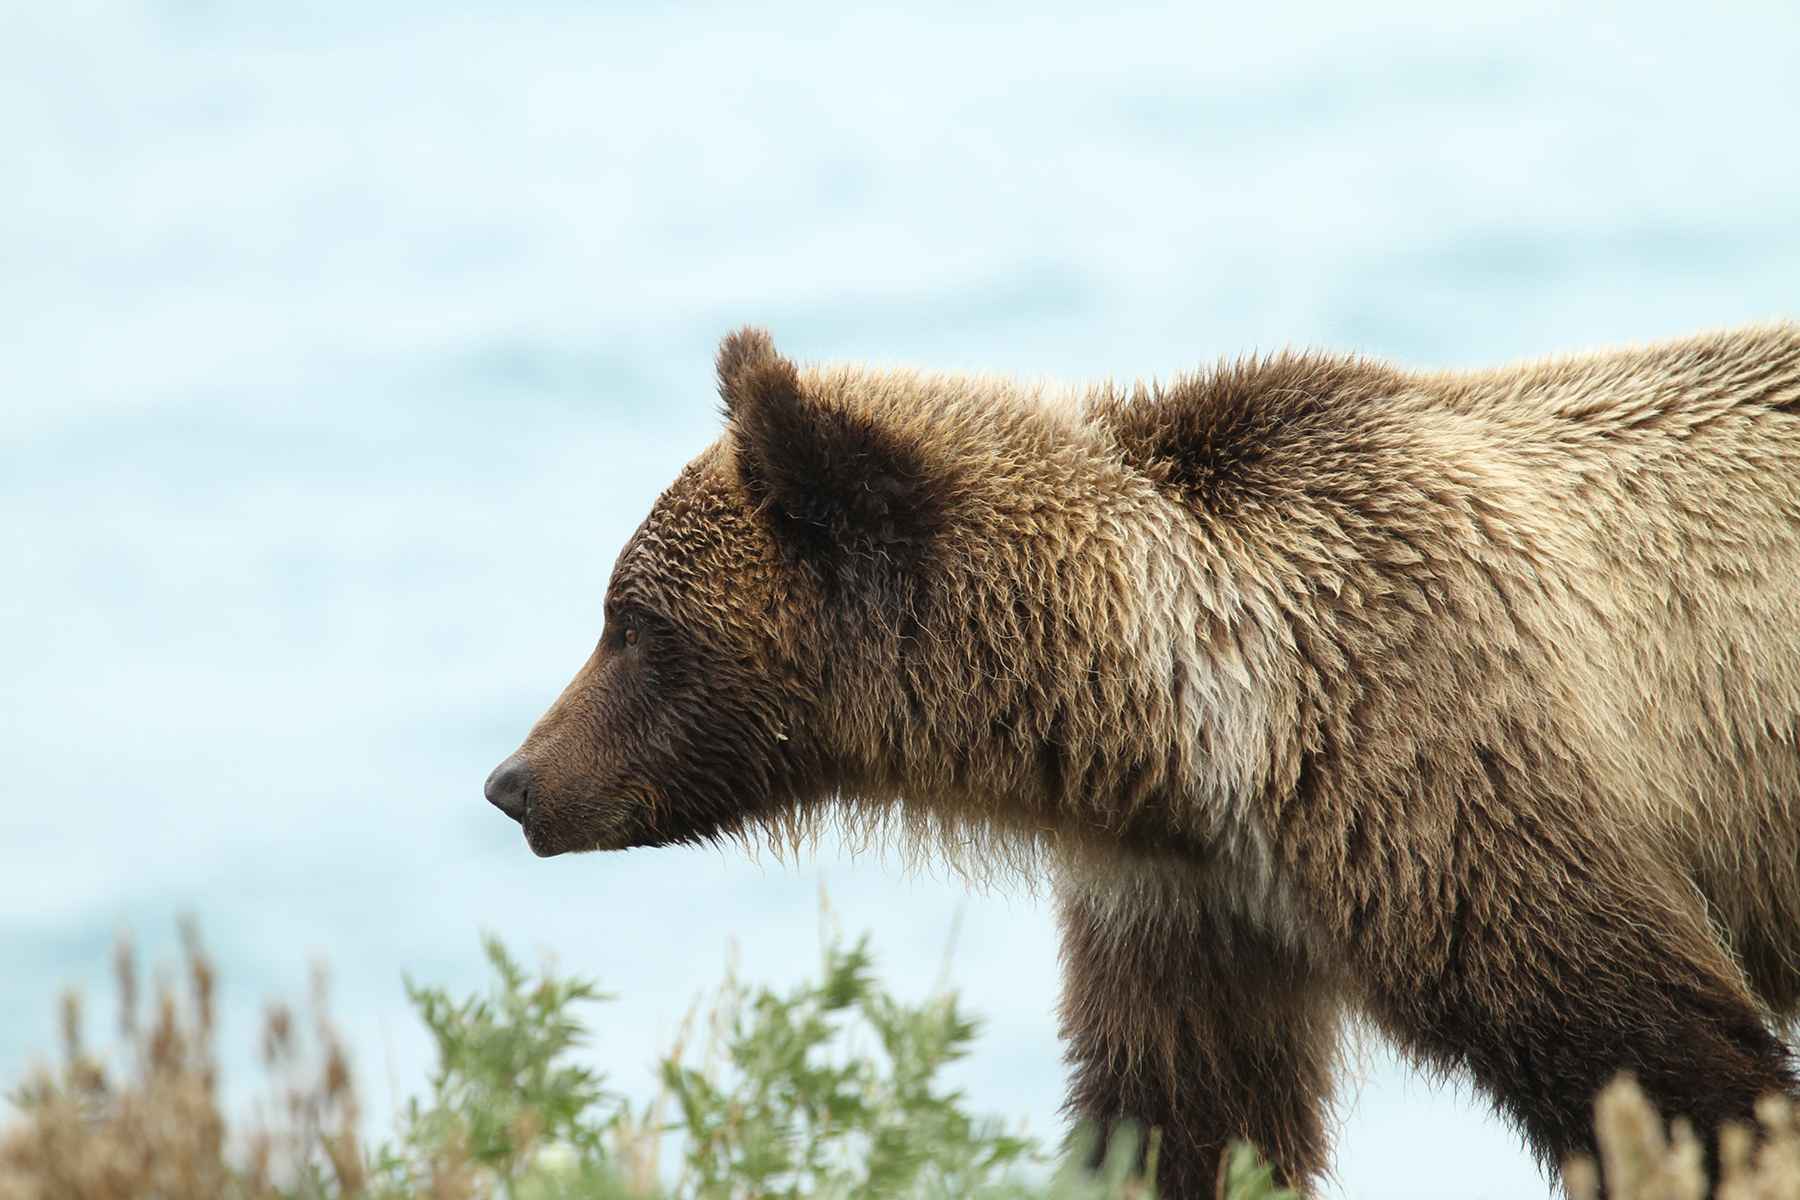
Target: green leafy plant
{"x": 504, "y": 1098}
{"x": 831, "y": 1089}
{"x": 791, "y": 1113}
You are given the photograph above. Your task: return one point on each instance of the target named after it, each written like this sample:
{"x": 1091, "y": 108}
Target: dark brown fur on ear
{"x": 741, "y": 349}
{"x": 837, "y": 483}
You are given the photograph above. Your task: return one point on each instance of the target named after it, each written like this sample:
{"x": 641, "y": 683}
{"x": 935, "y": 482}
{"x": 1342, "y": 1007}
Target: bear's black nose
{"x": 509, "y": 786}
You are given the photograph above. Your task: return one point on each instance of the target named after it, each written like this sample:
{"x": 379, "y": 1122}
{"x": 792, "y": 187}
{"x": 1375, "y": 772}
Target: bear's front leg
{"x": 1198, "y": 1026}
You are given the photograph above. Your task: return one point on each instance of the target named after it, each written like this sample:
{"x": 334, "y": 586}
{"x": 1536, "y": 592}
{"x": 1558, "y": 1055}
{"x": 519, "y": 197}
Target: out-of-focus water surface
{"x": 344, "y": 345}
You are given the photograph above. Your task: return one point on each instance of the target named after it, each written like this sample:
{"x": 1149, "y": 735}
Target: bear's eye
{"x": 629, "y": 628}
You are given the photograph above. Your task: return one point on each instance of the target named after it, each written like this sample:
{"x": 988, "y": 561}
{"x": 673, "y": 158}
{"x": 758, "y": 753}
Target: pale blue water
{"x": 344, "y": 345}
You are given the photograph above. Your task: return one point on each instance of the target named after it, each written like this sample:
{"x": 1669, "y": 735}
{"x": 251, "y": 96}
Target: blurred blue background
{"x": 345, "y": 343}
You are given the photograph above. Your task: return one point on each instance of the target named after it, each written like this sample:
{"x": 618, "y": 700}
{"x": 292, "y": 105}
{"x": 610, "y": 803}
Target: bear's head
{"x": 890, "y": 594}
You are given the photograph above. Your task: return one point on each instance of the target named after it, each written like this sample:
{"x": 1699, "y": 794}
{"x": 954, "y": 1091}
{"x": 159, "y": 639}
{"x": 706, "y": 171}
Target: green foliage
{"x": 793, "y": 1115}
{"x": 1247, "y": 1177}
{"x": 503, "y": 1099}
{"x": 831, "y": 1090}
{"x": 786, "y": 1105}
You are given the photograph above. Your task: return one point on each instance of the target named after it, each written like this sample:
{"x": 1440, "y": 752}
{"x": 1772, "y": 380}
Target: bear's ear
{"x": 743, "y": 349}
{"x": 837, "y": 482}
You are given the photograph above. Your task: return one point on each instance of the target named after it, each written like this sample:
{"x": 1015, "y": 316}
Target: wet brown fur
{"x": 1464, "y": 703}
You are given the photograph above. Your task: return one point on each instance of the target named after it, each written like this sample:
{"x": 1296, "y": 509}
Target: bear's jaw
{"x": 555, "y": 826}
{"x": 634, "y": 820}
{"x": 540, "y": 844}
{"x": 552, "y": 840}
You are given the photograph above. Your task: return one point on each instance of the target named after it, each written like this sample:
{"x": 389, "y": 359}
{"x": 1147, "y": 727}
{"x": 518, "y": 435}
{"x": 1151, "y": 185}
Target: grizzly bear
{"x": 1463, "y": 703}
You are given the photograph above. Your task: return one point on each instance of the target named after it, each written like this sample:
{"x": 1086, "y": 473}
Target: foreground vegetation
{"x": 763, "y": 1095}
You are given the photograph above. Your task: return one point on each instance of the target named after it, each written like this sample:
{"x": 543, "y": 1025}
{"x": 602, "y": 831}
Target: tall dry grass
{"x": 1644, "y": 1158}
{"x": 145, "y": 1120}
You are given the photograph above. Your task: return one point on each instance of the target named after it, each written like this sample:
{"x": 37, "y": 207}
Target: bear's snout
{"x": 509, "y": 787}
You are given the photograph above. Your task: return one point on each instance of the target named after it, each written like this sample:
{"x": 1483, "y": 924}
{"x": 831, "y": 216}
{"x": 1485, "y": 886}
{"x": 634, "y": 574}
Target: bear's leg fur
{"x": 1552, "y": 979}
{"x": 1201, "y": 1027}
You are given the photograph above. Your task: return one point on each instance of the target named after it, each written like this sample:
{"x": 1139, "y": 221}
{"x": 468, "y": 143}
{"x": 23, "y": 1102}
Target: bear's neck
{"x": 1140, "y": 720}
